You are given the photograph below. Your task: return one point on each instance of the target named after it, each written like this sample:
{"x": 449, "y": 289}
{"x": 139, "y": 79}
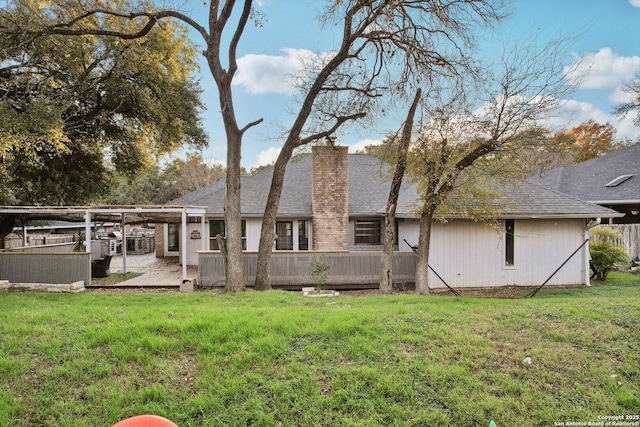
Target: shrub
{"x": 606, "y": 254}
{"x": 319, "y": 270}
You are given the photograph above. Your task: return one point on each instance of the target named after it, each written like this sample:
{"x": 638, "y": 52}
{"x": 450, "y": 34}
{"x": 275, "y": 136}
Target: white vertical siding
{"x": 408, "y": 230}
{"x": 194, "y": 245}
{"x": 468, "y": 254}
{"x": 254, "y": 225}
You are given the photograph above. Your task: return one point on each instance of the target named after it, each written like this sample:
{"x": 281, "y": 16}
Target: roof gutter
{"x": 615, "y": 202}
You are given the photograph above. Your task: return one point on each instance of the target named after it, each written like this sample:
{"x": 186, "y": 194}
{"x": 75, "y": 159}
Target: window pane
{"x": 509, "y": 242}
{"x": 215, "y": 227}
{"x": 284, "y": 230}
{"x": 173, "y": 238}
{"x": 367, "y": 232}
{"x": 303, "y": 236}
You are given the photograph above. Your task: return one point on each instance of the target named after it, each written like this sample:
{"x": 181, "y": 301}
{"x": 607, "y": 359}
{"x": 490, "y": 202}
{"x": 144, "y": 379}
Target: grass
{"x": 277, "y": 358}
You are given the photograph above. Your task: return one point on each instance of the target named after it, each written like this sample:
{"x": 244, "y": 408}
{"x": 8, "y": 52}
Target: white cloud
{"x": 634, "y": 3}
{"x": 620, "y": 95}
{"x": 262, "y": 74}
{"x": 267, "y": 156}
{"x": 572, "y": 113}
{"x": 626, "y": 128}
{"x": 361, "y": 145}
{"x": 212, "y": 161}
{"x": 604, "y": 69}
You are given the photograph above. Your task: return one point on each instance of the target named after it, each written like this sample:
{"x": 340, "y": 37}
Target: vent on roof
{"x": 619, "y": 180}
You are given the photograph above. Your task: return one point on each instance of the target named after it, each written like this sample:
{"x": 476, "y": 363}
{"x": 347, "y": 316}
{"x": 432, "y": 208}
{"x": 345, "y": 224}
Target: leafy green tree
{"x": 155, "y": 185}
{"x": 148, "y": 187}
{"x": 75, "y": 109}
{"x": 606, "y": 253}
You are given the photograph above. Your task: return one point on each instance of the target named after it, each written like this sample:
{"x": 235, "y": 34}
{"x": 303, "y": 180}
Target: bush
{"x": 319, "y": 270}
{"x": 606, "y": 254}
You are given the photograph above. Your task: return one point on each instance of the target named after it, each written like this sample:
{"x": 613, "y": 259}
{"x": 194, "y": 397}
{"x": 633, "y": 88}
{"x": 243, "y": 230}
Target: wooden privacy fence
{"x": 12, "y": 241}
{"x": 630, "y": 237}
{"x": 58, "y": 247}
{"x": 54, "y": 268}
{"x": 292, "y": 269}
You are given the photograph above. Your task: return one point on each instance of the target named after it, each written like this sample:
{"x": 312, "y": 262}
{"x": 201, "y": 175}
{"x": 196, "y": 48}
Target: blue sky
{"x": 607, "y": 41}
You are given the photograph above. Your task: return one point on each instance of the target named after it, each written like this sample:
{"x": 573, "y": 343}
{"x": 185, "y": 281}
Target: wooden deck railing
{"x": 23, "y": 267}
{"x": 292, "y": 269}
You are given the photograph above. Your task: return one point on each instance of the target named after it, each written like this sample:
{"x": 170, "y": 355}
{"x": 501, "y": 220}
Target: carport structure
{"x": 158, "y": 214}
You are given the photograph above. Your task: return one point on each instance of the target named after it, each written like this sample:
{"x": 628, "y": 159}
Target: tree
{"x": 532, "y": 151}
{"x": 592, "y": 140}
{"x": 75, "y": 108}
{"x": 133, "y": 21}
{"x": 529, "y": 85}
{"x": 193, "y": 173}
{"x": 147, "y": 187}
{"x": 633, "y": 105}
{"x": 606, "y": 253}
{"x": 383, "y": 45}
{"x": 155, "y": 185}
{"x": 386, "y": 261}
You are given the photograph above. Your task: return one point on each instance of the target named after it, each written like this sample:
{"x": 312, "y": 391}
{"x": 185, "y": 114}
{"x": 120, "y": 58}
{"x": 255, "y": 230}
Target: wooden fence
{"x": 58, "y": 248}
{"x": 54, "y": 268}
{"x": 630, "y": 237}
{"x": 291, "y": 270}
{"x": 12, "y": 241}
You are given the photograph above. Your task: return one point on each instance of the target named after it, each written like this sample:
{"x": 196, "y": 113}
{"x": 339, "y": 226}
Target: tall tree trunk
{"x": 267, "y": 233}
{"x": 233, "y": 217}
{"x": 424, "y": 243}
{"x": 386, "y": 261}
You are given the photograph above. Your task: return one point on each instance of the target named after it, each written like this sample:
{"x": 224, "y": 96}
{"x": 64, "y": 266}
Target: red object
{"x": 145, "y": 421}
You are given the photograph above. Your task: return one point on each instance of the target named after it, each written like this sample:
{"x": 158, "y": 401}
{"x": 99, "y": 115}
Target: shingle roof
{"x": 524, "y": 199}
{"x": 588, "y": 180}
{"x": 369, "y": 183}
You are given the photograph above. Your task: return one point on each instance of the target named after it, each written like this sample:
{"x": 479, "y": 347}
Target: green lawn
{"x": 277, "y": 358}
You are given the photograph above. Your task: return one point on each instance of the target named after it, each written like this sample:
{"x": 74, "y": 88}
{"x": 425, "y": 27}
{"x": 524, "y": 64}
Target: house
{"x": 611, "y": 180}
{"x": 335, "y": 201}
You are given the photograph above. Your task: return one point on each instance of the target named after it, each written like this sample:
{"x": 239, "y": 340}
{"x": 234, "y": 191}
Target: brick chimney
{"x": 330, "y": 197}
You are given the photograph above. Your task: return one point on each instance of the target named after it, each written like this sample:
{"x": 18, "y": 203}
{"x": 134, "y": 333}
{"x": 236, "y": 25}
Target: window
{"x": 217, "y": 227}
{"x": 367, "y": 232}
{"x": 509, "y": 242}
{"x": 173, "y": 237}
{"x": 303, "y": 235}
{"x": 284, "y": 230}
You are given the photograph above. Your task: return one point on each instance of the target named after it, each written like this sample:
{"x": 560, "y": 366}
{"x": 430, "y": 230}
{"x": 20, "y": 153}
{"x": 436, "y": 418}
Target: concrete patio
{"x": 156, "y": 272}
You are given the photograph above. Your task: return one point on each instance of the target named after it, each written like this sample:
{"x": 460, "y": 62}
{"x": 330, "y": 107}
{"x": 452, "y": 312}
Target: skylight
{"x": 619, "y": 180}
